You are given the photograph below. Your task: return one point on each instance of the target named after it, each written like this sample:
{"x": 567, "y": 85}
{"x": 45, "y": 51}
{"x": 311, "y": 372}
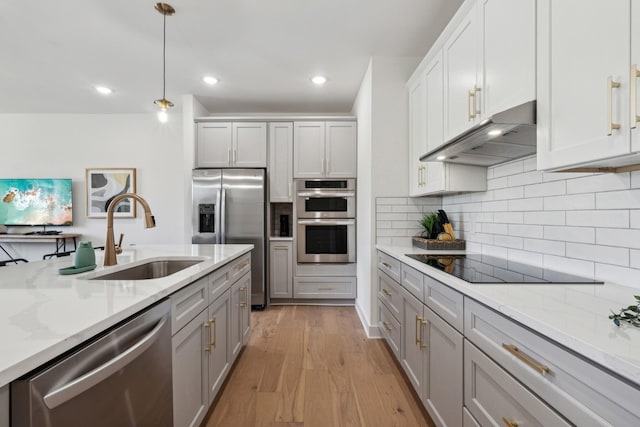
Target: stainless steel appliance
{"x": 486, "y": 269}
{"x": 326, "y": 198}
{"x": 229, "y": 207}
{"x": 122, "y": 378}
{"x": 326, "y": 225}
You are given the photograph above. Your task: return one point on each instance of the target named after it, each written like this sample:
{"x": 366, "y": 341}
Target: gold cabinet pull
{"x": 423, "y": 342}
{"x": 386, "y": 326}
{"x": 476, "y": 101}
{"x": 509, "y": 423}
{"x": 635, "y": 73}
{"x": 207, "y": 325}
{"x": 418, "y": 330}
{"x": 470, "y": 111}
{"x": 326, "y": 289}
{"x": 538, "y": 367}
{"x": 244, "y": 291}
{"x": 387, "y": 292}
{"x": 611, "y": 126}
{"x": 213, "y": 322}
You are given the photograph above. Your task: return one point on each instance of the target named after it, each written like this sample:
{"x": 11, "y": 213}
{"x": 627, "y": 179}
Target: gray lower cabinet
{"x": 281, "y": 269}
{"x": 190, "y": 364}
{"x": 210, "y": 323}
{"x": 432, "y": 360}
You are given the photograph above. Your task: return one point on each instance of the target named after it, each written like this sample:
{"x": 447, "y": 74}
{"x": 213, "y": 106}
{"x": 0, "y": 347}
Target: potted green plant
{"x": 430, "y": 222}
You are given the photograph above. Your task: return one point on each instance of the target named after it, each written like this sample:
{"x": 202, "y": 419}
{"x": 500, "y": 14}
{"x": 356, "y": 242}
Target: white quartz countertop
{"x": 43, "y": 314}
{"x": 575, "y": 316}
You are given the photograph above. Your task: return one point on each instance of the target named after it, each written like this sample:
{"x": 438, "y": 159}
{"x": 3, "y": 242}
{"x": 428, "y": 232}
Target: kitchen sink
{"x": 150, "y": 270}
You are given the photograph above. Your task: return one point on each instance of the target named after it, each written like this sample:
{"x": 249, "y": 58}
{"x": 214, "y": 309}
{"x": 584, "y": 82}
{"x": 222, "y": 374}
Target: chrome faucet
{"x": 110, "y": 246}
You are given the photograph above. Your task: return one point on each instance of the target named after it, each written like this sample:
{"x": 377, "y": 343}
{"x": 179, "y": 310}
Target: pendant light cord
{"x": 164, "y": 49}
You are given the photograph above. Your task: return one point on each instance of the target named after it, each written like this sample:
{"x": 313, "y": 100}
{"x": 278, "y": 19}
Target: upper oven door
{"x": 326, "y": 204}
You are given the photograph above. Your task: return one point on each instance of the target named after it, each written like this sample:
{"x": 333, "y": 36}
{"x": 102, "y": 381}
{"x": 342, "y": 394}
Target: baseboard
{"x": 372, "y": 331}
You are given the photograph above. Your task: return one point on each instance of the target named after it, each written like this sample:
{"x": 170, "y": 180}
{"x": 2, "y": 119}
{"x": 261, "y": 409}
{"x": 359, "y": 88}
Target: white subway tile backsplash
{"x": 511, "y": 168}
{"x": 634, "y": 218}
{"x": 625, "y": 238}
{"x": 492, "y": 184}
{"x": 391, "y": 217}
{"x": 612, "y": 218}
{"x": 494, "y": 228}
{"x": 391, "y": 201}
{"x": 525, "y": 257}
{"x": 619, "y": 275}
{"x": 529, "y": 164}
{"x": 634, "y": 258}
{"x": 497, "y": 206}
{"x": 383, "y": 224}
{"x": 383, "y": 208}
{"x": 544, "y": 217}
{"x": 509, "y": 193}
{"x": 559, "y": 176}
{"x": 545, "y": 246}
{"x": 598, "y": 183}
{"x": 406, "y": 208}
{"x": 627, "y": 199}
{"x": 635, "y": 179}
{"x": 495, "y": 251}
{"x": 508, "y": 241}
{"x": 570, "y": 202}
{"x": 535, "y": 204}
{"x": 601, "y": 254}
{"x": 570, "y": 234}
{"x": 533, "y": 231}
{"x": 555, "y": 188}
{"x": 527, "y": 178}
{"x": 570, "y": 265}
{"x": 481, "y": 238}
{"x": 508, "y": 217}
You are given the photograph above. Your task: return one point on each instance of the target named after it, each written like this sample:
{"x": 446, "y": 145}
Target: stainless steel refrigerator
{"x": 229, "y": 207}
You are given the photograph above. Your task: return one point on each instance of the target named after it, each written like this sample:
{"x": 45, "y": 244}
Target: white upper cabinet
{"x": 634, "y": 116}
{"x": 241, "y": 145}
{"x": 280, "y": 162}
{"x": 324, "y": 150}
{"x": 584, "y": 69}
{"x": 507, "y": 72}
{"x": 461, "y": 86}
{"x": 426, "y": 132}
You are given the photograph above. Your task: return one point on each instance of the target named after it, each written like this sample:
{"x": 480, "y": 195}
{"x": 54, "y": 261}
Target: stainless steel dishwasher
{"x": 122, "y": 378}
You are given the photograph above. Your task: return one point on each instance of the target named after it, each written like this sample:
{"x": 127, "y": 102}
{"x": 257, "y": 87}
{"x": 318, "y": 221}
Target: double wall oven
{"x": 326, "y": 220}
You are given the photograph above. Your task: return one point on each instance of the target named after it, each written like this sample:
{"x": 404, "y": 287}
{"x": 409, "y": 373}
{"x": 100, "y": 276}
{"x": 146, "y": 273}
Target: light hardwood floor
{"x": 313, "y": 366}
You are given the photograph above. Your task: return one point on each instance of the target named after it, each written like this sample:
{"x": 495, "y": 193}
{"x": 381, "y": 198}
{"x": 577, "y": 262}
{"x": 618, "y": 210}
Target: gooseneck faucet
{"x": 110, "y": 246}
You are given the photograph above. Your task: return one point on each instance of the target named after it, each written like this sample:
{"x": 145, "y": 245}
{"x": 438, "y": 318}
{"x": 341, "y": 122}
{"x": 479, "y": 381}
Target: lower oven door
{"x": 326, "y": 240}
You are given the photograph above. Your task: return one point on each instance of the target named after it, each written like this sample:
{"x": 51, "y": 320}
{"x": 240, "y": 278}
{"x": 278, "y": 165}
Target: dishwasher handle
{"x": 97, "y": 375}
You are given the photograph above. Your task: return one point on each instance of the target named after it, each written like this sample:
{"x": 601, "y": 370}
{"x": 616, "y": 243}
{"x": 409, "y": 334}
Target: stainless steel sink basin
{"x": 149, "y": 270}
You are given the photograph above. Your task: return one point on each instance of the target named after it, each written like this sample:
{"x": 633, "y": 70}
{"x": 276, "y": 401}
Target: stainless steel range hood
{"x": 505, "y": 136}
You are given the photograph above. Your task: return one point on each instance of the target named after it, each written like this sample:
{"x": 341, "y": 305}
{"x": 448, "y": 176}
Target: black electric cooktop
{"x": 477, "y": 268}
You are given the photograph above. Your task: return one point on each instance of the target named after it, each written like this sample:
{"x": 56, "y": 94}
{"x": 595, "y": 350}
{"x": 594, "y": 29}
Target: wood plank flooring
{"x": 313, "y": 366}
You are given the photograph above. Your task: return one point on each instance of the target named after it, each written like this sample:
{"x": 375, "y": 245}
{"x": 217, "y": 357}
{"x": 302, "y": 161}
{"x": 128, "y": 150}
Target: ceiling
{"x": 263, "y": 51}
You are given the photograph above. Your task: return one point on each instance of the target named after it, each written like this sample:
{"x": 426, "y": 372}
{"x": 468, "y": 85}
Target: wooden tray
{"x": 443, "y": 245}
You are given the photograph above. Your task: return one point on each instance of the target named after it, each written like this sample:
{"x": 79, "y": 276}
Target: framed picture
{"x": 105, "y": 184}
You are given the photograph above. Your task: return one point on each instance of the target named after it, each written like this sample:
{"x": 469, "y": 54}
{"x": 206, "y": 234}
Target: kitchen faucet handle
{"x": 118, "y": 248}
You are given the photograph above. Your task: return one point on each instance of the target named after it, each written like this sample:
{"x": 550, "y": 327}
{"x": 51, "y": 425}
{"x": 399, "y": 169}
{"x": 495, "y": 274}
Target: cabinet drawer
{"x": 389, "y": 294}
{"x": 324, "y": 287}
{"x": 390, "y": 328}
{"x": 494, "y": 398}
{"x": 446, "y": 302}
{"x": 412, "y": 280}
{"x": 389, "y": 265}
{"x": 577, "y": 388}
{"x": 239, "y": 267}
{"x": 188, "y": 302}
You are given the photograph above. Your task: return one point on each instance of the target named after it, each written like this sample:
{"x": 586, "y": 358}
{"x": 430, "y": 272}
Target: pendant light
{"x": 165, "y": 9}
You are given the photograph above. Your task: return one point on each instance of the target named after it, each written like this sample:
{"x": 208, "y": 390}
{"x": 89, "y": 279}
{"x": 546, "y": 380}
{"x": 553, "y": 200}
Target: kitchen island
{"x": 556, "y": 339}
{"x": 44, "y": 314}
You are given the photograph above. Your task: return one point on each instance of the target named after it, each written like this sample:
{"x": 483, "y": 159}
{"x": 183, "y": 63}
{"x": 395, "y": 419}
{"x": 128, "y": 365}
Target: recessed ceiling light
{"x": 441, "y": 157}
{"x": 103, "y": 90}
{"x": 319, "y": 80}
{"x": 210, "y": 80}
{"x": 495, "y": 132}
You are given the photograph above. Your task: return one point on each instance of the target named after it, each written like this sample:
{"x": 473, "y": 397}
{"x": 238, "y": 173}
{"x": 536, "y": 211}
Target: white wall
{"x": 382, "y": 111}
{"x": 64, "y": 145}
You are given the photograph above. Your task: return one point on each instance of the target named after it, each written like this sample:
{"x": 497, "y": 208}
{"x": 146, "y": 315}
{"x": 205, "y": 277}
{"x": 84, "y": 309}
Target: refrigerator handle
{"x": 219, "y": 211}
{"x": 223, "y": 216}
